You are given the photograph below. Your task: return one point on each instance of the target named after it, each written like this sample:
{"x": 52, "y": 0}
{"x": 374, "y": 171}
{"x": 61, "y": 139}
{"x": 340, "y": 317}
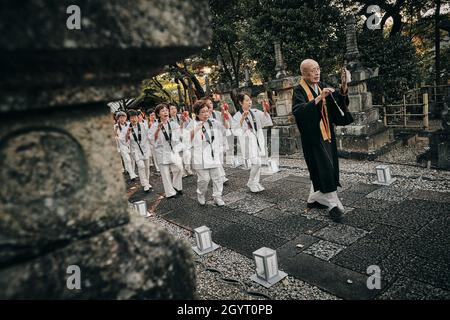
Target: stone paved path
{"x": 404, "y": 231}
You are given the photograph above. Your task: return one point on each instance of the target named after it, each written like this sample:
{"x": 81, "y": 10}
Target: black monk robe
{"x": 320, "y": 155}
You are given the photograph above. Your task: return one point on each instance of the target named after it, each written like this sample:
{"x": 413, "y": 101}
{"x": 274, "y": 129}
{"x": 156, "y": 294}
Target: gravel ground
{"x": 224, "y": 274}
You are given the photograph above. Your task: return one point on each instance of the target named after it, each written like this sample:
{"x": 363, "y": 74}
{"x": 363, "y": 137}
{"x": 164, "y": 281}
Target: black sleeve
{"x": 304, "y": 111}
{"x": 335, "y": 115}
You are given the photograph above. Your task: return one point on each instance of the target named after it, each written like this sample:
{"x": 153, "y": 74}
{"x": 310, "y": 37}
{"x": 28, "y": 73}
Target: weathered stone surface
{"x": 119, "y": 42}
{"x": 341, "y": 234}
{"x": 135, "y": 261}
{"x": 58, "y": 181}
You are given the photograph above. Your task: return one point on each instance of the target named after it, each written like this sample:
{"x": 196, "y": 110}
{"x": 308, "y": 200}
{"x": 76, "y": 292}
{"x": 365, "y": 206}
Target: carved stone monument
{"x": 283, "y": 87}
{"x": 367, "y": 136}
{"x": 63, "y": 199}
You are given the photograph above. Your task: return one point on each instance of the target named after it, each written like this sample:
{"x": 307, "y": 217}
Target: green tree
{"x": 308, "y": 29}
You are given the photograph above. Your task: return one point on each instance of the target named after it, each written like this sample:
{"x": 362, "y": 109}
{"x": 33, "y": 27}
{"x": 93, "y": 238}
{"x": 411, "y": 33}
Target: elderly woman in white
{"x": 137, "y": 136}
{"x": 165, "y": 137}
{"x": 206, "y": 136}
{"x": 248, "y": 125}
{"x": 121, "y": 130}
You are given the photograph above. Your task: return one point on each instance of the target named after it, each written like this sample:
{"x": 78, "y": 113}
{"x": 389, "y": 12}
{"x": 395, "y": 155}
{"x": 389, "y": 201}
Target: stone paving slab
{"x": 363, "y": 188}
{"x": 408, "y": 289}
{"x": 435, "y": 196}
{"x": 413, "y": 214}
{"x": 234, "y": 196}
{"x": 434, "y": 272}
{"x": 293, "y": 205}
{"x": 363, "y": 219}
{"x": 272, "y": 213}
{"x": 373, "y": 204}
{"x": 250, "y": 205}
{"x": 197, "y": 219}
{"x": 291, "y": 248}
{"x": 371, "y": 249}
{"x": 245, "y": 239}
{"x": 282, "y": 190}
{"x": 299, "y": 179}
{"x": 293, "y": 225}
{"x": 394, "y": 192}
{"x": 348, "y": 198}
{"x": 340, "y": 234}
{"x": 329, "y": 277}
{"x": 324, "y": 250}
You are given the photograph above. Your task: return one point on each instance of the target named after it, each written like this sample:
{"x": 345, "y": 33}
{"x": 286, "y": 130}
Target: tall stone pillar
{"x": 63, "y": 205}
{"x": 367, "y": 137}
{"x": 283, "y": 121}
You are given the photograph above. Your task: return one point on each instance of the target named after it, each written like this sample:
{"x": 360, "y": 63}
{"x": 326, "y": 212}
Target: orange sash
{"x": 324, "y": 122}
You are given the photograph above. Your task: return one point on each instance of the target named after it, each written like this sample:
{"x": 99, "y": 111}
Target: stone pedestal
{"x": 366, "y": 137}
{"x": 284, "y": 120}
{"x": 440, "y": 149}
{"x": 63, "y": 199}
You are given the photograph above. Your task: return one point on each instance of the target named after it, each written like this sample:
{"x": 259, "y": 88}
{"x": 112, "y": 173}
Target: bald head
{"x": 310, "y": 71}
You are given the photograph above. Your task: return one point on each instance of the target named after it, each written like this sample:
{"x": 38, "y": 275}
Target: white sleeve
{"x": 266, "y": 119}
{"x": 236, "y": 127}
{"x": 151, "y": 133}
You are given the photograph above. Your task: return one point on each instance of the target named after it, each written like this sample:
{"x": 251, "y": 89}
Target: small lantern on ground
{"x": 383, "y": 175}
{"x": 204, "y": 241}
{"x": 141, "y": 208}
{"x": 267, "y": 273}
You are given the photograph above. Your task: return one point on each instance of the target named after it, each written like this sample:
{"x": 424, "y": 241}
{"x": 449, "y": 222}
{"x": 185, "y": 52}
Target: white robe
{"x": 202, "y": 157}
{"x": 164, "y": 154}
{"x": 248, "y": 137}
{"x": 144, "y": 143}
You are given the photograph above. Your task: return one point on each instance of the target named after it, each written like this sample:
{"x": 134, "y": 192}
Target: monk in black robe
{"x": 317, "y": 109}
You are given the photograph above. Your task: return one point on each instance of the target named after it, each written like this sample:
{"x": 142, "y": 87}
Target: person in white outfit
{"x": 248, "y": 126}
{"x": 165, "y": 137}
{"x": 183, "y": 121}
{"x": 137, "y": 135}
{"x": 142, "y": 120}
{"x": 121, "y": 130}
{"x": 207, "y": 142}
{"x": 220, "y": 117}
{"x": 151, "y": 120}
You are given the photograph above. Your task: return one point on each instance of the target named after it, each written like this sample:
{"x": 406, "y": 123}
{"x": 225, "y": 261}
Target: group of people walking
{"x": 176, "y": 144}
{"x": 179, "y": 144}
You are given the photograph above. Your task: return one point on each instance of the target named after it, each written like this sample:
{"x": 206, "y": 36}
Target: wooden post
{"x": 384, "y": 111}
{"x": 425, "y": 111}
{"x": 404, "y": 111}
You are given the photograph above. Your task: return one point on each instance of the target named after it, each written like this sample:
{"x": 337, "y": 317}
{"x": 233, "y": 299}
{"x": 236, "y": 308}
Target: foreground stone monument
{"x": 367, "y": 137}
{"x": 63, "y": 199}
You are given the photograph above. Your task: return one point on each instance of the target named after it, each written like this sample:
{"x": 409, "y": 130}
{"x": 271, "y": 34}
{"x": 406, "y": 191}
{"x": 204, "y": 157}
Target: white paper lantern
{"x": 383, "y": 175}
{"x": 141, "y": 208}
{"x": 267, "y": 273}
{"x": 204, "y": 241}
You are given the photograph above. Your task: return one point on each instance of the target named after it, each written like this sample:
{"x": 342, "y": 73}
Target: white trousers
{"x": 187, "y": 159}
{"x": 255, "y": 172}
{"x": 171, "y": 184}
{"x": 329, "y": 199}
{"x": 203, "y": 177}
{"x": 153, "y": 156}
{"x": 127, "y": 163}
{"x": 143, "y": 172}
